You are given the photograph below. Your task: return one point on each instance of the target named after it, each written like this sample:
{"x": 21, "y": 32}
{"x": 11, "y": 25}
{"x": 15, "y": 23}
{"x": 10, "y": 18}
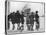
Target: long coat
{"x": 18, "y": 16}
{"x": 12, "y": 17}
{"x": 31, "y": 19}
{"x": 37, "y": 18}
{"x": 22, "y": 18}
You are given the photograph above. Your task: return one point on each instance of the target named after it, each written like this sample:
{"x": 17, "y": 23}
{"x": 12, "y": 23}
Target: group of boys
{"x": 19, "y": 18}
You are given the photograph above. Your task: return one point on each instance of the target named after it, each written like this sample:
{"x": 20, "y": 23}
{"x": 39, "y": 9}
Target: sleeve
{"x": 8, "y": 17}
{"x": 29, "y": 16}
{"x": 38, "y": 16}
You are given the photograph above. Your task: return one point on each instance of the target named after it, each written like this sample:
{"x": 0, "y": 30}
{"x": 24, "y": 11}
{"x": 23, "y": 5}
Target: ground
{"x": 41, "y": 29}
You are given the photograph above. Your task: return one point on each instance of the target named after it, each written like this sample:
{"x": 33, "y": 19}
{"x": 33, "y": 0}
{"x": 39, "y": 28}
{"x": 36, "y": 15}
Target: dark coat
{"x": 22, "y": 18}
{"x": 9, "y": 16}
{"x": 18, "y": 16}
{"x": 12, "y": 17}
{"x": 31, "y": 19}
{"x": 37, "y": 18}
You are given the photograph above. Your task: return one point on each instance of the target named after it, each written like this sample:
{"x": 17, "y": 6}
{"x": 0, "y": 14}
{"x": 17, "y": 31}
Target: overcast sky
{"x": 14, "y": 6}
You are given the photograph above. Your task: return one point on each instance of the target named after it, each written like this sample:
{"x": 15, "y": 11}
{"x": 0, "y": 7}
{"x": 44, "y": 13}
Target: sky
{"x": 14, "y": 6}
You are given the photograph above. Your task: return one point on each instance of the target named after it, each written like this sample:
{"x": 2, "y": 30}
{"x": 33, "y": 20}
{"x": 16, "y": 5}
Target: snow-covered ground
{"x": 41, "y": 29}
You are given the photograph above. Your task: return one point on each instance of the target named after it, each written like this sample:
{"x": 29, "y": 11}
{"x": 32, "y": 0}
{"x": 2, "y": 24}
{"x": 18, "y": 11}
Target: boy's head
{"x": 32, "y": 12}
{"x": 13, "y": 12}
{"x": 36, "y": 11}
{"x": 17, "y": 11}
